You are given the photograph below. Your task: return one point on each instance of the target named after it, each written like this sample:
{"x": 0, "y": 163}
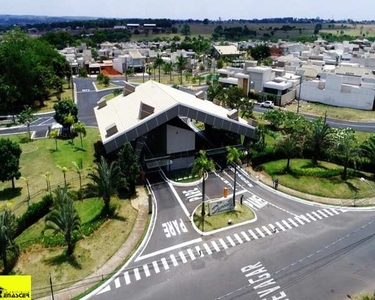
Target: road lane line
{"x": 127, "y": 278}
{"x": 280, "y": 226}
{"x": 323, "y": 214}
{"x": 156, "y": 267}
{"x": 208, "y": 250}
{"x": 287, "y": 224}
{"x": 293, "y": 223}
{"x": 245, "y": 236}
{"x": 191, "y": 254}
{"x": 299, "y": 220}
{"x": 117, "y": 283}
{"x": 183, "y": 258}
{"x": 225, "y": 246}
{"x": 136, "y": 274}
{"x": 334, "y": 211}
{"x": 311, "y": 217}
{"x": 165, "y": 264}
{"x": 147, "y": 271}
{"x": 231, "y": 241}
{"x": 266, "y": 230}
{"x": 260, "y": 232}
{"x": 253, "y": 234}
{"x": 328, "y": 212}
{"x": 216, "y": 247}
{"x": 317, "y": 215}
{"x": 174, "y": 260}
{"x": 238, "y": 238}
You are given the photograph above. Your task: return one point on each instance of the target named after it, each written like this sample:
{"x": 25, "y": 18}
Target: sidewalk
{"x": 266, "y": 179}
{"x": 141, "y": 204}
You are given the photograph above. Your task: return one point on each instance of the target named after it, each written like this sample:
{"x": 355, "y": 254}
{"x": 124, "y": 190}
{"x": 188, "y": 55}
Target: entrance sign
{"x": 220, "y": 206}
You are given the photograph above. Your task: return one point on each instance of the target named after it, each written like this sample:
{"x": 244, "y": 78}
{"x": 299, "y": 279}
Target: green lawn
{"x": 39, "y": 156}
{"x": 317, "y": 183}
{"x": 240, "y": 214}
{"x": 48, "y": 104}
{"x": 101, "y": 86}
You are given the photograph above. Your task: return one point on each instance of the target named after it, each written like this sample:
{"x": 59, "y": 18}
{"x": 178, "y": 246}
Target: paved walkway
{"x": 141, "y": 204}
{"x": 266, "y": 179}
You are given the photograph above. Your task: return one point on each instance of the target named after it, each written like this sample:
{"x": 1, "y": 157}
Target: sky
{"x": 195, "y": 9}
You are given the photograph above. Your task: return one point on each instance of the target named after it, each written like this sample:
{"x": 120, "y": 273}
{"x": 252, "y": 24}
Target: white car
{"x": 267, "y": 104}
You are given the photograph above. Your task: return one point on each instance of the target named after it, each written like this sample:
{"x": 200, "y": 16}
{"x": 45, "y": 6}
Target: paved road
{"x": 292, "y": 251}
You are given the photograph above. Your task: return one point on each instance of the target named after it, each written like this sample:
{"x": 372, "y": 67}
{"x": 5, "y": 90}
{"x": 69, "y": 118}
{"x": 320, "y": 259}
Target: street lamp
{"x": 364, "y": 180}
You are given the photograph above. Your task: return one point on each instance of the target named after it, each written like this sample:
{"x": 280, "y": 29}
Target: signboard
{"x": 220, "y": 206}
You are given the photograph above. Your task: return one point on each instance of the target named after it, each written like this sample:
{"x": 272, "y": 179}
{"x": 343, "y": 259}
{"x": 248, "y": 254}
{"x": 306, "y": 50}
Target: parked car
{"x": 267, "y": 104}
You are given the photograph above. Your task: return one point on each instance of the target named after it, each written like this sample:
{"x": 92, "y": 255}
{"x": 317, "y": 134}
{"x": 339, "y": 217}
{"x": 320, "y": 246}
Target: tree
{"x": 246, "y": 107}
{"x": 234, "y": 157}
{"x": 54, "y": 134}
{"x": 201, "y": 165}
{"x": 27, "y": 181}
{"x": 158, "y": 63}
{"x": 80, "y": 128}
{"x": 105, "y": 179}
{"x": 82, "y": 72}
{"x": 78, "y": 168}
{"x": 47, "y": 177}
{"x": 64, "y": 170}
{"x": 318, "y": 139}
{"x": 289, "y": 146}
{"x": 10, "y": 154}
{"x": 214, "y": 91}
{"x": 185, "y": 30}
{"x": 129, "y": 165}
{"x": 69, "y": 121}
{"x": 220, "y": 64}
{"x": 106, "y": 81}
{"x": 181, "y": 65}
{"x": 346, "y": 148}
{"x": 26, "y": 117}
{"x": 8, "y": 226}
{"x": 368, "y": 150}
{"x": 260, "y": 52}
{"x": 64, "y": 219}
{"x": 274, "y": 117}
{"x": 63, "y": 109}
{"x": 233, "y": 97}
{"x": 168, "y": 68}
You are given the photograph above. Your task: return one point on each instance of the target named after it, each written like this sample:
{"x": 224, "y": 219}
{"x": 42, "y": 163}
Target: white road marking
{"x": 317, "y": 215}
{"x": 322, "y": 213}
{"x": 147, "y": 271}
{"x": 287, "y": 224}
{"x": 199, "y": 251}
{"x": 208, "y": 250}
{"x": 174, "y": 260}
{"x": 334, "y": 211}
{"x": 165, "y": 264}
{"x": 191, "y": 254}
{"x": 328, "y": 212}
{"x": 311, "y": 217}
{"x": 253, "y": 234}
{"x": 106, "y": 289}
{"x": 216, "y": 247}
{"x": 293, "y": 223}
{"x": 274, "y": 229}
{"x": 156, "y": 267}
{"x": 266, "y": 230}
{"x": 127, "y": 278}
{"x": 260, "y": 232}
{"x": 117, "y": 283}
{"x": 225, "y": 246}
{"x": 231, "y": 241}
{"x": 280, "y": 226}
{"x": 136, "y": 274}
{"x": 183, "y": 258}
{"x": 245, "y": 236}
{"x": 299, "y": 220}
{"x": 238, "y": 238}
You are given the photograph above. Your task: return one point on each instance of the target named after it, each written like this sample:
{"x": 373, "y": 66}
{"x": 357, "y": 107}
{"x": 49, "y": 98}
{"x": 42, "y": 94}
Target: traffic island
{"x": 240, "y": 214}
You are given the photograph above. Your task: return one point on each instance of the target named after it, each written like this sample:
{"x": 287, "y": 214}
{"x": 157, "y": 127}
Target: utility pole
{"x": 50, "y": 283}
{"x": 299, "y": 94}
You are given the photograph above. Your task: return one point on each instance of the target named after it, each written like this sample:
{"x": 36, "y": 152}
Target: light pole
{"x": 364, "y": 180}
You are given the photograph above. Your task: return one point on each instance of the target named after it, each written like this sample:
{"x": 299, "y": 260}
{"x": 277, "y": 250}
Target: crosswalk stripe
{"x": 323, "y": 214}
{"x": 156, "y": 267}
{"x": 260, "y": 232}
{"x": 299, "y": 220}
{"x": 208, "y": 250}
{"x": 165, "y": 264}
{"x": 147, "y": 271}
{"x": 225, "y": 246}
{"x": 266, "y": 230}
{"x": 334, "y": 211}
{"x": 328, "y": 212}
{"x": 231, "y": 241}
{"x": 245, "y": 236}
{"x": 305, "y": 218}
{"x": 311, "y": 217}
{"x": 199, "y": 251}
{"x": 251, "y": 205}
{"x": 273, "y": 228}
{"x": 117, "y": 283}
{"x": 280, "y": 226}
{"x": 216, "y": 247}
{"x": 238, "y": 238}
{"x": 136, "y": 274}
{"x": 317, "y": 215}
{"x": 287, "y": 224}
{"x": 127, "y": 278}
{"x": 183, "y": 258}
{"x": 174, "y": 260}
{"x": 191, "y": 254}
{"x": 293, "y": 223}
{"x": 253, "y": 234}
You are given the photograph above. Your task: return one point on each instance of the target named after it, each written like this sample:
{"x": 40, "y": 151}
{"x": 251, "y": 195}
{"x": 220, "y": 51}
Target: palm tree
{"x": 27, "y": 181}
{"x": 202, "y": 164}
{"x": 54, "y": 134}
{"x": 61, "y": 195}
{"x": 318, "y": 139}
{"x": 181, "y": 65}
{"x": 149, "y": 70}
{"x": 47, "y": 177}
{"x": 81, "y": 130}
{"x": 26, "y": 117}
{"x": 78, "y": 168}
{"x": 105, "y": 181}
{"x": 289, "y": 146}
{"x": 347, "y": 150}
{"x": 64, "y": 219}
{"x": 158, "y": 63}
{"x": 168, "y": 68}
{"x": 69, "y": 120}
{"x": 63, "y": 170}
{"x": 234, "y": 157}
{"x": 368, "y": 150}
{"x": 8, "y": 226}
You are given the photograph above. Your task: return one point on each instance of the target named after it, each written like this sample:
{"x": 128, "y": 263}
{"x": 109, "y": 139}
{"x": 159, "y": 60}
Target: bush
{"x": 34, "y": 213}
